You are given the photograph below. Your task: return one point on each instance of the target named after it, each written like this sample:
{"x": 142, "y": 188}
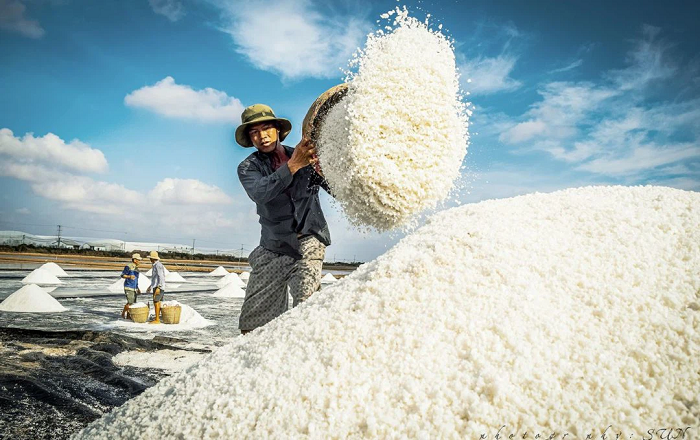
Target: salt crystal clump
{"x": 230, "y": 278}
{"x": 244, "y": 276}
{"x": 231, "y": 290}
{"x": 41, "y": 276}
{"x": 394, "y": 145}
{"x": 138, "y": 305}
{"x": 219, "y": 271}
{"x": 563, "y": 312}
{"x": 31, "y": 299}
{"x": 54, "y": 268}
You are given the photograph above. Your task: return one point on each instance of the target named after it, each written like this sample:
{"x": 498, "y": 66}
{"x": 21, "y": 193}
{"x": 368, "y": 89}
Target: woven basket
{"x": 319, "y": 109}
{"x": 139, "y": 314}
{"x": 170, "y": 315}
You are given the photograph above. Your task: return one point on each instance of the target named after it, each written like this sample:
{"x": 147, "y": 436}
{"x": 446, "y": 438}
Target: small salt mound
{"x": 244, "y": 276}
{"x": 31, "y": 299}
{"x": 172, "y": 277}
{"x": 230, "y": 290}
{"x": 563, "y": 312}
{"x": 394, "y": 145}
{"x": 54, "y": 269}
{"x": 329, "y": 278}
{"x": 118, "y": 286}
{"x": 41, "y": 276}
{"x": 138, "y": 305}
{"x": 218, "y": 272}
{"x": 230, "y": 278}
{"x": 150, "y": 271}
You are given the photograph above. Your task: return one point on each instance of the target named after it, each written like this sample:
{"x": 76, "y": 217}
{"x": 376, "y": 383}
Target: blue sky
{"x": 119, "y": 115}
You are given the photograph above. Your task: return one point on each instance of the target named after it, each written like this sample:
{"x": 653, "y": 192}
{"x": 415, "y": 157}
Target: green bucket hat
{"x": 256, "y": 114}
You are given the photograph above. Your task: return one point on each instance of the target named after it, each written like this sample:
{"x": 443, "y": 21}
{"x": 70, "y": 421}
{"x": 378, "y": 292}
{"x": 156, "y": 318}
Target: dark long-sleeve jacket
{"x": 288, "y": 205}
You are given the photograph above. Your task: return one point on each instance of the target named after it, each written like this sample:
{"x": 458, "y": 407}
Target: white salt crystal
{"x": 230, "y": 290}
{"x": 230, "y": 278}
{"x": 393, "y": 146}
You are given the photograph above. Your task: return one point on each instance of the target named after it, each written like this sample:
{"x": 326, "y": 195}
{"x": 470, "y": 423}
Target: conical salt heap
{"x": 230, "y": 290}
{"x": 219, "y": 272}
{"x": 563, "y": 312}
{"x": 54, "y": 269}
{"x": 31, "y": 299}
{"x": 42, "y": 277}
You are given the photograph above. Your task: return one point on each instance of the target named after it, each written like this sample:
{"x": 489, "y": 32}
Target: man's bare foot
{"x": 155, "y": 321}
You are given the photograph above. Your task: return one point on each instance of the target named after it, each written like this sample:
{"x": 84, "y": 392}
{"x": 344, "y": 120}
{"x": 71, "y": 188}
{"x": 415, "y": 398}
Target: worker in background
{"x": 284, "y": 183}
{"x": 157, "y": 284}
{"x": 131, "y": 283}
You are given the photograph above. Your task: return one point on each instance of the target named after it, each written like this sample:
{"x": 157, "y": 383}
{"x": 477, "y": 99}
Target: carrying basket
{"x": 139, "y": 314}
{"x": 319, "y": 109}
{"x": 170, "y": 314}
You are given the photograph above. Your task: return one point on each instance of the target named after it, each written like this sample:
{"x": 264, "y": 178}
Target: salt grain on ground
{"x": 393, "y": 146}
{"x": 563, "y": 312}
{"x": 190, "y": 319}
{"x": 31, "y": 299}
{"x": 42, "y": 277}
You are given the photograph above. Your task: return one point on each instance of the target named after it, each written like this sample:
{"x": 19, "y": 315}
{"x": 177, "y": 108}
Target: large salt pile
{"x": 563, "y": 312}
{"x": 41, "y": 276}
{"x": 174, "y": 277}
{"x": 394, "y": 145}
{"x": 231, "y": 278}
{"x": 219, "y": 272}
{"x": 54, "y": 268}
{"x": 231, "y": 290}
{"x": 118, "y": 286}
{"x": 31, "y": 299}
{"x": 244, "y": 276}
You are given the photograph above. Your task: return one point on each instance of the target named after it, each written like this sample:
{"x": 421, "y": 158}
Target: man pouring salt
{"x": 284, "y": 184}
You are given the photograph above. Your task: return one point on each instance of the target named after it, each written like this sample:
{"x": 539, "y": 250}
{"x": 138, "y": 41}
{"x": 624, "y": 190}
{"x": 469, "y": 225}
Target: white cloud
{"x": 292, "y": 38}
{"x": 172, "y": 9}
{"x": 564, "y": 107}
{"x": 183, "y": 102}
{"x": 12, "y": 19}
{"x": 648, "y": 62}
{"x": 568, "y": 67}
{"x": 640, "y": 159}
{"x": 23, "y": 211}
{"x": 489, "y": 75}
{"x": 188, "y": 191}
{"x": 52, "y": 150}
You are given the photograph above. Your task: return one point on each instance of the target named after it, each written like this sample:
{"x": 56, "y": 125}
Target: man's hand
{"x": 303, "y": 155}
{"x": 133, "y": 277}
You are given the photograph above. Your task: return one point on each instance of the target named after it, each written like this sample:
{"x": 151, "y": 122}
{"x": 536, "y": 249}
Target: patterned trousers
{"x": 266, "y": 292}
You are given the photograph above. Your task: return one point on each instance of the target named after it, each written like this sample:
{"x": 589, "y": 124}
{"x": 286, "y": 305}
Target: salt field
{"x": 94, "y": 303}
{"x": 546, "y": 313}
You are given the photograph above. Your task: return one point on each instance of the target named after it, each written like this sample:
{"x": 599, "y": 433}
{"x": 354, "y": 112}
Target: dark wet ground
{"x": 53, "y": 383}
